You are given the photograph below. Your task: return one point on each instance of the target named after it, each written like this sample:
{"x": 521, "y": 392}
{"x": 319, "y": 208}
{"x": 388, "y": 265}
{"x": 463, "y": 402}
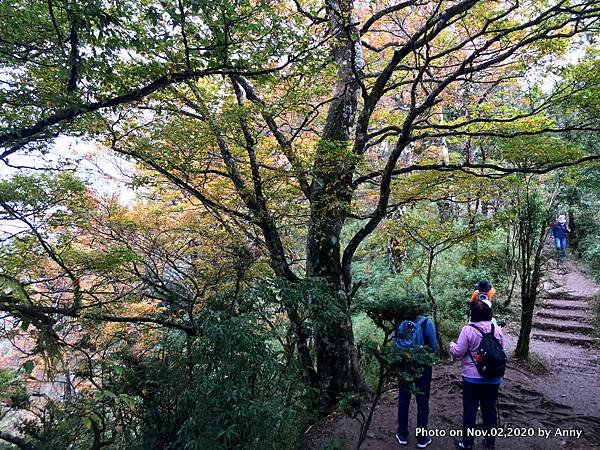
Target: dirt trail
{"x": 564, "y": 339}
{"x": 566, "y": 398}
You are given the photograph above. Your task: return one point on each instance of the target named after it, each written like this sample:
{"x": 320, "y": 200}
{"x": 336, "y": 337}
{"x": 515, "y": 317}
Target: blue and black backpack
{"x": 409, "y": 335}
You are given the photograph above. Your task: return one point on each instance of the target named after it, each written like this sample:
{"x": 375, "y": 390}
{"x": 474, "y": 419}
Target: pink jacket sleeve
{"x": 460, "y": 348}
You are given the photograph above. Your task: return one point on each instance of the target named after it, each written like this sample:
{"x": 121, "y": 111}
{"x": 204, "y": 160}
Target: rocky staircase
{"x": 563, "y": 317}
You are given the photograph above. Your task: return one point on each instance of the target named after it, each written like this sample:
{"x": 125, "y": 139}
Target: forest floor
{"x": 562, "y": 400}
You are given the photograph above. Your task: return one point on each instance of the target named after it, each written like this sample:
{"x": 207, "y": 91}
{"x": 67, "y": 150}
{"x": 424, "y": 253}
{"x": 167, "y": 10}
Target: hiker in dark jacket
{"x": 559, "y": 234}
{"x": 477, "y": 389}
{"x": 424, "y": 336}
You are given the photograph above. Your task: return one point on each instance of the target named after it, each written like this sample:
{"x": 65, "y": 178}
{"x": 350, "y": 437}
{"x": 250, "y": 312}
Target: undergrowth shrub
{"x": 228, "y": 387}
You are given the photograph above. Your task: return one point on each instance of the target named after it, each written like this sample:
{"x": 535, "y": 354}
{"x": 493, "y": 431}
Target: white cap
{"x": 562, "y": 219}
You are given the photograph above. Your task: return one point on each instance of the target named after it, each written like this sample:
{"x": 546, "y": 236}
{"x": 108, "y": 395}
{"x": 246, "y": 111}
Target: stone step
{"x": 565, "y": 304}
{"x": 562, "y": 314}
{"x": 566, "y": 295}
{"x": 567, "y": 338}
{"x": 563, "y": 325}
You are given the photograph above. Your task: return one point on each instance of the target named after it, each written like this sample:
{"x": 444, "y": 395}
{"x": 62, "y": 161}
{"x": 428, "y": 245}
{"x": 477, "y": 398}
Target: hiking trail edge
{"x": 554, "y": 407}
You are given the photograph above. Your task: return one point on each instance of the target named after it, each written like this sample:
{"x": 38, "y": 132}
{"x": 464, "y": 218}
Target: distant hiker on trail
{"x": 483, "y": 291}
{"x": 483, "y": 362}
{"x": 559, "y": 234}
{"x": 409, "y": 335}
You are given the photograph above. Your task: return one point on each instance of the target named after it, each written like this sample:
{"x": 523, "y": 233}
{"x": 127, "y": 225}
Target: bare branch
{"x": 15, "y": 440}
{"x": 22, "y": 136}
{"x": 38, "y": 311}
{"x": 470, "y": 168}
{"x": 384, "y": 12}
{"x": 315, "y": 19}
{"x": 284, "y": 143}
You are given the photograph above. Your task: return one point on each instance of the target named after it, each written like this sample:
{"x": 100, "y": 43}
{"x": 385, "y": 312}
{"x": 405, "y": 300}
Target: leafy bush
{"x": 231, "y": 391}
{"x": 365, "y": 331}
{"x": 229, "y": 387}
{"x": 454, "y": 278}
{"x": 335, "y": 443}
{"x": 590, "y": 250}
{"x": 12, "y": 388}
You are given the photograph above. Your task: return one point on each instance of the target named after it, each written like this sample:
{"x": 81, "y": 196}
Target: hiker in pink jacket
{"x": 477, "y": 389}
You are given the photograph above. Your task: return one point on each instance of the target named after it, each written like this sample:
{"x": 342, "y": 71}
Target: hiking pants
{"x": 474, "y": 395}
{"x": 423, "y": 384}
{"x": 561, "y": 245}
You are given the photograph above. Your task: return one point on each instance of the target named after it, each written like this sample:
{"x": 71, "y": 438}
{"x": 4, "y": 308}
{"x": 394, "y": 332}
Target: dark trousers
{"x": 423, "y": 384}
{"x": 474, "y": 395}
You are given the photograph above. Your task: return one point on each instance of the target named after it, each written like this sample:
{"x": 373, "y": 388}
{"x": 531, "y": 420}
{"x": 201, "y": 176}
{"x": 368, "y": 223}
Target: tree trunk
{"x": 333, "y": 327}
{"x": 574, "y": 236}
{"x": 528, "y": 299}
{"x": 330, "y": 197}
{"x": 522, "y": 350}
{"x": 532, "y": 234}
{"x": 433, "y": 303}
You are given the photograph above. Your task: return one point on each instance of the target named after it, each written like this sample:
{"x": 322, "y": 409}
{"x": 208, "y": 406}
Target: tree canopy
{"x": 272, "y": 140}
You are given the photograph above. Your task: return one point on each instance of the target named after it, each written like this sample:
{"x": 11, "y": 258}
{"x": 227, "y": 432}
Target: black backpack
{"x": 490, "y": 359}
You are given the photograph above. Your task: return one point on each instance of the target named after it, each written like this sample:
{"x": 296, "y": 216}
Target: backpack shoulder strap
{"x": 477, "y": 328}
{"x": 469, "y": 350}
{"x": 483, "y": 333}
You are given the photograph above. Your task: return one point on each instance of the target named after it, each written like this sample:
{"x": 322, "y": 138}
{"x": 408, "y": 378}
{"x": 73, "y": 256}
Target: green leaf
{"x": 28, "y": 366}
{"x": 87, "y": 423}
